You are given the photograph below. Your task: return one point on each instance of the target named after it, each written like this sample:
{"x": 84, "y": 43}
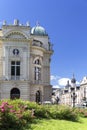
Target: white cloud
{"x": 56, "y": 86}
{"x": 58, "y": 82}
{"x": 63, "y": 81}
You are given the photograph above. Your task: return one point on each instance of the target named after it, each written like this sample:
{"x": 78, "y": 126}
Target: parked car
{"x": 80, "y": 106}
{"x": 47, "y": 102}
{"x": 85, "y": 103}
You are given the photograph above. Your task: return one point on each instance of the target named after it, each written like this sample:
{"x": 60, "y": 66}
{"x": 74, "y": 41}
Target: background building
{"x": 83, "y": 87}
{"x": 70, "y": 94}
{"x": 25, "y": 55}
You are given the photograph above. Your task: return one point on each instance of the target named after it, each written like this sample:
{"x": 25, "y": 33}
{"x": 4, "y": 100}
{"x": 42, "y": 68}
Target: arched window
{"x": 37, "y": 62}
{"x": 15, "y": 93}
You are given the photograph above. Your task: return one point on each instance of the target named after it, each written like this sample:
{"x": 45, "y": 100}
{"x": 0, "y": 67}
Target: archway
{"x": 15, "y": 93}
{"x": 38, "y": 96}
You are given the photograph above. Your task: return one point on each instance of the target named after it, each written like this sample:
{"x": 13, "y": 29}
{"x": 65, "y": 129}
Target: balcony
{"x": 15, "y": 77}
{"x": 39, "y": 44}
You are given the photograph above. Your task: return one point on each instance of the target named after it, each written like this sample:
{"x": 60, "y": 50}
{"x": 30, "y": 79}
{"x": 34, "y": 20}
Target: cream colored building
{"x": 25, "y": 55}
{"x": 71, "y": 94}
{"x": 83, "y": 87}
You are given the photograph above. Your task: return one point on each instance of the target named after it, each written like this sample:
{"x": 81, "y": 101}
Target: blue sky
{"x": 66, "y": 23}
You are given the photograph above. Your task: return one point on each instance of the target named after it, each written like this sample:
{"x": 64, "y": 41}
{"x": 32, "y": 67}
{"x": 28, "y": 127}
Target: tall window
{"x": 15, "y": 70}
{"x": 37, "y": 70}
{"x": 37, "y": 73}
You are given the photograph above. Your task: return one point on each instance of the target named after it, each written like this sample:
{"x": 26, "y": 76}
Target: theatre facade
{"x": 25, "y": 56}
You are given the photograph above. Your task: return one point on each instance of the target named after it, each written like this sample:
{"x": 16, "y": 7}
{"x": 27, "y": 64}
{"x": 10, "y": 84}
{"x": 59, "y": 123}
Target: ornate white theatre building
{"x": 25, "y": 55}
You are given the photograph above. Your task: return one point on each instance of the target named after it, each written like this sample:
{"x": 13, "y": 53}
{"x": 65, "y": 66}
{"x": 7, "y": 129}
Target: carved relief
{"x": 15, "y": 51}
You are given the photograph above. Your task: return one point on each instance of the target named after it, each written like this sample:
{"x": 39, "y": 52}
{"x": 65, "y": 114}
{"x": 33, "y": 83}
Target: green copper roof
{"x": 38, "y": 30}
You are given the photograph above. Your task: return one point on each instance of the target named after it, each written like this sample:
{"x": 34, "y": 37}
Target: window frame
{"x": 16, "y": 66}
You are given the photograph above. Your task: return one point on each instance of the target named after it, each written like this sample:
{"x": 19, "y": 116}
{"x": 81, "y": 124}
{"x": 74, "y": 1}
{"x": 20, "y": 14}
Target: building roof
{"x": 38, "y": 30}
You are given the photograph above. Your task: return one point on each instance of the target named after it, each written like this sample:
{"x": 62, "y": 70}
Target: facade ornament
{"x": 28, "y": 24}
{"x": 16, "y": 22}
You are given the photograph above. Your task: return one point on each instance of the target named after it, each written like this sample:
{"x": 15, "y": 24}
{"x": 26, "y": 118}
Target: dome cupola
{"x": 38, "y": 30}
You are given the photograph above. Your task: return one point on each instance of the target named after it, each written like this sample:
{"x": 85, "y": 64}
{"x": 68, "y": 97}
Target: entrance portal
{"x": 38, "y": 97}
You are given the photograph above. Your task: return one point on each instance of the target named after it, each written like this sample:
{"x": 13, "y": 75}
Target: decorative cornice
{"x": 15, "y": 39}
{"x": 42, "y": 49}
{"x": 16, "y": 33}
{"x": 83, "y": 84}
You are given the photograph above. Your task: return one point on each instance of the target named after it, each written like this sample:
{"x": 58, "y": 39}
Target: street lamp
{"x": 73, "y": 96}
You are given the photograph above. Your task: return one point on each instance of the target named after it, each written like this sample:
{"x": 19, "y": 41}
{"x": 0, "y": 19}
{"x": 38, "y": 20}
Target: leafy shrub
{"x": 81, "y": 111}
{"x": 16, "y": 114}
{"x": 69, "y": 114}
{"x": 7, "y": 118}
{"x": 42, "y": 112}
{"x": 13, "y": 115}
{"x": 63, "y": 112}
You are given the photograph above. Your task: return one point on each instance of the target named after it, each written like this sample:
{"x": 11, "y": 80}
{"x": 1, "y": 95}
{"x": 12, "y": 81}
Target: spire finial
{"x": 73, "y": 75}
{"x": 73, "y": 80}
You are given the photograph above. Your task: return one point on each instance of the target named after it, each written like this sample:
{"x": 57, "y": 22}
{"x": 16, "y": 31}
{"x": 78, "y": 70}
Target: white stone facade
{"x": 24, "y": 63}
{"x": 66, "y": 94}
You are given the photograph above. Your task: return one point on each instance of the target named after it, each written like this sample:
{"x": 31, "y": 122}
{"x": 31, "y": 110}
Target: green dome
{"x": 38, "y": 30}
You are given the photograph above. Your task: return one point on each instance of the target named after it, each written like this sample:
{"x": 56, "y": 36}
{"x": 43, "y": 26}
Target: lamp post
{"x": 73, "y": 96}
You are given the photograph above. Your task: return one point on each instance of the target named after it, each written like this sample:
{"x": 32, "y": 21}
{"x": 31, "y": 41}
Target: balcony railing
{"x": 15, "y": 77}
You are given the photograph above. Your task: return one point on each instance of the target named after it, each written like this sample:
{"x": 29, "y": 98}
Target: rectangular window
{"x": 15, "y": 70}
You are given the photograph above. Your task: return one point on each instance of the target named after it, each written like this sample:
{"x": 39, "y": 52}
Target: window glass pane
{"x": 18, "y": 70}
{"x": 39, "y": 74}
{"x": 17, "y": 62}
{"x": 13, "y": 70}
{"x": 35, "y": 73}
{"x": 12, "y": 62}
{"x": 37, "y": 62}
